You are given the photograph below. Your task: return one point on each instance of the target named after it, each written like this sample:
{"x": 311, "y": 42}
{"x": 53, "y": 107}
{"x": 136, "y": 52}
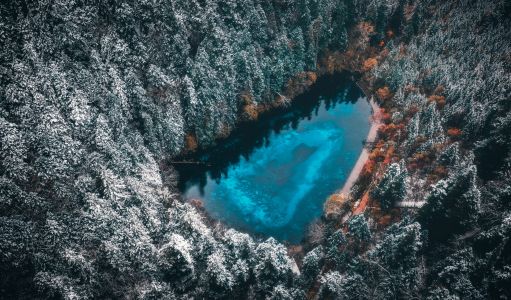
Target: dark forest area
{"x": 98, "y": 97}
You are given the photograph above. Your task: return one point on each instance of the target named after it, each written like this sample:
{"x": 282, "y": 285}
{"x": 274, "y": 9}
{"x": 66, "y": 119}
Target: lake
{"x": 272, "y": 177}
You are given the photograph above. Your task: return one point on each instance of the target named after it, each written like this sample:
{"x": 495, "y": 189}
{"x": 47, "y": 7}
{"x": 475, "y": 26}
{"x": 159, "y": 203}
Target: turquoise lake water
{"x": 272, "y": 178}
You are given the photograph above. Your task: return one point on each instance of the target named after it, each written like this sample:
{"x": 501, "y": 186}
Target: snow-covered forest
{"x": 97, "y": 96}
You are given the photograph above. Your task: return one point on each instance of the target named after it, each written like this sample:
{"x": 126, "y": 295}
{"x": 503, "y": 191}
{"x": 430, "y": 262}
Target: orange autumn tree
{"x": 250, "y": 110}
{"x": 381, "y": 116}
{"x": 384, "y": 93}
{"x": 334, "y": 204}
{"x": 369, "y": 64}
{"x": 439, "y": 100}
{"x": 191, "y": 142}
{"x": 366, "y": 28}
{"x": 368, "y": 168}
{"x": 389, "y": 155}
{"x": 454, "y": 132}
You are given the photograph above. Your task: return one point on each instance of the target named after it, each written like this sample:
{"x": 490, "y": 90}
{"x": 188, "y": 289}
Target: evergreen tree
{"x": 359, "y": 229}
{"x": 392, "y": 187}
{"x": 452, "y": 203}
{"x": 312, "y": 265}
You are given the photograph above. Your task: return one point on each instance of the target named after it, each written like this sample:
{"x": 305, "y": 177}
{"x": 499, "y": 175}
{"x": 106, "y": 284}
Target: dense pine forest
{"x": 97, "y": 99}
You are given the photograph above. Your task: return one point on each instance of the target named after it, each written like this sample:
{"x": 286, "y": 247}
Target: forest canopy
{"x": 96, "y": 96}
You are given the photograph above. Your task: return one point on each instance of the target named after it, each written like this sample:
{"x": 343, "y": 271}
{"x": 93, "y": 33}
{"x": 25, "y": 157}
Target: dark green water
{"x": 271, "y": 178}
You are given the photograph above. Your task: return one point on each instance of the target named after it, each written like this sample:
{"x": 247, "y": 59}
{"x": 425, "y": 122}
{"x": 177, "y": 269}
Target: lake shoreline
{"x": 364, "y": 155}
{"x": 208, "y": 165}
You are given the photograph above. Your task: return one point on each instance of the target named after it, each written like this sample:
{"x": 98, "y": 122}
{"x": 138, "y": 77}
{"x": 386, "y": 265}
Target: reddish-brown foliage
{"x": 380, "y": 144}
{"x": 420, "y": 140}
{"x": 412, "y": 111}
{"x": 384, "y": 93}
{"x": 336, "y": 61}
{"x": 412, "y": 166}
{"x": 439, "y": 90}
{"x": 454, "y": 132}
{"x": 384, "y": 53}
{"x": 386, "y": 117}
{"x": 440, "y": 171}
{"x": 377, "y": 154}
{"x": 419, "y": 160}
{"x": 390, "y": 131}
{"x": 300, "y": 83}
{"x": 381, "y": 116}
{"x": 329, "y": 64}
{"x": 439, "y": 100}
{"x": 384, "y": 221}
{"x": 251, "y": 112}
{"x": 246, "y": 98}
{"x": 191, "y": 142}
{"x": 369, "y": 64}
{"x": 368, "y": 167}
{"x": 312, "y": 76}
{"x": 362, "y": 204}
{"x": 334, "y": 204}
{"x": 197, "y": 203}
{"x": 389, "y": 155}
{"x": 366, "y": 27}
